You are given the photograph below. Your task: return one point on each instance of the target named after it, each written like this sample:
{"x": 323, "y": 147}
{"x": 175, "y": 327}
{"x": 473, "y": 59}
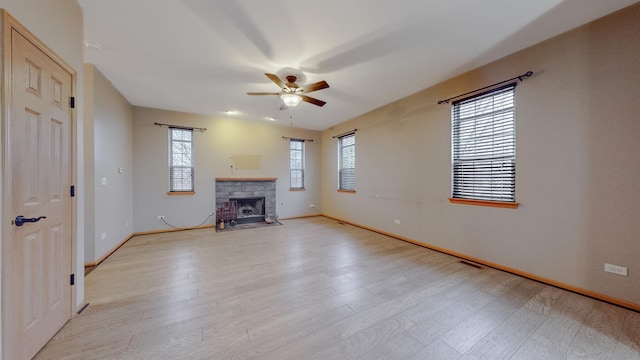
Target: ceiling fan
{"x": 292, "y": 94}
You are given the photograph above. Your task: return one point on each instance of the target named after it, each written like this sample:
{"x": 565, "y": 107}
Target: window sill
{"x": 180, "y": 193}
{"x": 297, "y": 189}
{"x": 499, "y": 204}
{"x": 347, "y": 191}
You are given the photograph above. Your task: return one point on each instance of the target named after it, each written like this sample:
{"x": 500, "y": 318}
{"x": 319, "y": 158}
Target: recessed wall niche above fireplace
{"x": 255, "y": 197}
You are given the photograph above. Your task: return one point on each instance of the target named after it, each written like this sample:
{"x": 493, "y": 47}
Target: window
{"x": 180, "y": 160}
{"x": 484, "y": 146}
{"x": 296, "y": 164}
{"x": 347, "y": 162}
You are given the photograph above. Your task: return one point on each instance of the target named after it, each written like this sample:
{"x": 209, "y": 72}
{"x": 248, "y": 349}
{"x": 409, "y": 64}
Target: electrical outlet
{"x": 160, "y": 217}
{"x": 211, "y": 212}
{"x": 615, "y": 269}
{"x": 104, "y": 236}
{"x": 312, "y": 205}
{"x": 396, "y": 221}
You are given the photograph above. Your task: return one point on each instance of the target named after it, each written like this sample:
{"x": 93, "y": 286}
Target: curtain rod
{"x": 290, "y": 138}
{"x": 346, "y": 133}
{"x": 180, "y": 127}
{"x": 519, "y": 77}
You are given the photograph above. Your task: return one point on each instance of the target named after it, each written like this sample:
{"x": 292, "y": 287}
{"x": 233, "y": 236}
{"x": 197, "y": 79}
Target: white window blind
{"x": 347, "y": 162}
{"x": 296, "y": 163}
{"x": 180, "y": 160}
{"x": 484, "y": 146}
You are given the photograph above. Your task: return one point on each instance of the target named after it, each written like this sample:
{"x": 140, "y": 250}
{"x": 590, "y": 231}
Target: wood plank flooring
{"x": 316, "y": 289}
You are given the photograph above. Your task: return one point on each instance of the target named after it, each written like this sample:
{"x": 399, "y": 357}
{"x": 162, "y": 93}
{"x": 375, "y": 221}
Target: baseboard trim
{"x": 575, "y": 289}
{"x": 151, "y": 232}
{"x": 300, "y": 217}
{"x": 107, "y": 254}
{"x": 81, "y": 308}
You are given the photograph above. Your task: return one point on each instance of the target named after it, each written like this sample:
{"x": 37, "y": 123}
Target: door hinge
{"x": 72, "y": 191}
{"x": 72, "y": 103}
{"x": 72, "y": 279}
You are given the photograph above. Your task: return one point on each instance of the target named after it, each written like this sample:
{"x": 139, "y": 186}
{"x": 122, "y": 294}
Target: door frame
{"x": 9, "y": 24}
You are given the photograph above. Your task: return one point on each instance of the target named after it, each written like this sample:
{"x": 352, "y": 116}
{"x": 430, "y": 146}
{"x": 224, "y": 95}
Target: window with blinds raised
{"x": 180, "y": 160}
{"x": 484, "y": 146}
{"x": 347, "y": 162}
{"x": 296, "y": 163}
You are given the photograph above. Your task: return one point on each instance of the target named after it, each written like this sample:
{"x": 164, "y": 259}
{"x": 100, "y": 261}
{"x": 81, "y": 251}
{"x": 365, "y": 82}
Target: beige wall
{"x": 578, "y": 163}
{"x": 212, "y": 152}
{"x": 58, "y": 23}
{"x": 109, "y": 121}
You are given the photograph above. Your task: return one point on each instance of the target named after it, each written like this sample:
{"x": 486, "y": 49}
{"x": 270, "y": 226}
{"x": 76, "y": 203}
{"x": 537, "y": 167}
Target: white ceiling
{"x": 202, "y": 56}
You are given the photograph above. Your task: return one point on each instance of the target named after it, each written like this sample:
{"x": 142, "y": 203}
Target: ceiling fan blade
{"x": 312, "y": 100}
{"x": 315, "y": 86}
{"x": 277, "y": 80}
{"x": 263, "y": 93}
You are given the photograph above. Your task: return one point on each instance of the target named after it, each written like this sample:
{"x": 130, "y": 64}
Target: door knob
{"x": 20, "y": 220}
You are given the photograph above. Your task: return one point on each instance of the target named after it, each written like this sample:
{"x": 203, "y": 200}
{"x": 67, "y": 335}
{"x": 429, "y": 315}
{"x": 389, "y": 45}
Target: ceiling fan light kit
{"x": 291, "y": 100}
{"x": 292, "y": 94}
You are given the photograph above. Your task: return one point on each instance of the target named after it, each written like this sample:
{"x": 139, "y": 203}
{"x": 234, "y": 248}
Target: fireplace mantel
{"x": 246, "y": 179}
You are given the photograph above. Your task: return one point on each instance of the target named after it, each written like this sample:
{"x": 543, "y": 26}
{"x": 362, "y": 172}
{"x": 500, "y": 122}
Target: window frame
{"x": 483, "y": 165}
{"x": 346, "y": 156}
{"x": 293, "y": 169}
{"x": 174, "y": 189}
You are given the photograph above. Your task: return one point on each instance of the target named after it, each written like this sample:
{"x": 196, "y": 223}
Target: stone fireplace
{"x": 254, "y": 198}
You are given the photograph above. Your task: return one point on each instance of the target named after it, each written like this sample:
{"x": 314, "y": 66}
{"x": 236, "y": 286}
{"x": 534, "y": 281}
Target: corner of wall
{"x": 88, "y": 173}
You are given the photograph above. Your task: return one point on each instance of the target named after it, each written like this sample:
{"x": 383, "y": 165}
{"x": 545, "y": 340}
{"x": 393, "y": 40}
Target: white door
{"x": 36, "y": 260}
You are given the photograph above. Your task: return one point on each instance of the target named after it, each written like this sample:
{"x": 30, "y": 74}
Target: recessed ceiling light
{"x": 230, "y": 112}
{"x": 92, "y": 45}
{"x": 270, "y": 118}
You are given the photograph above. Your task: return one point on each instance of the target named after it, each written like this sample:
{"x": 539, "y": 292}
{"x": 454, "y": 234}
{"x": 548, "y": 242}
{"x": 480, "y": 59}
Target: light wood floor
{"x": 317, "y": 289}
